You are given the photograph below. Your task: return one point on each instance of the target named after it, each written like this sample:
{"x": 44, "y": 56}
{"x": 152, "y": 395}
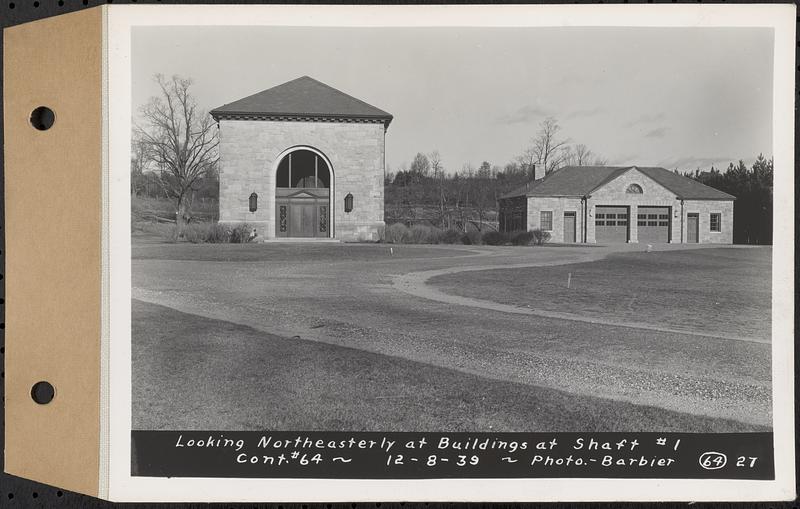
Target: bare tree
{"x": 435, "y": 160}
{"x": 138, "y": 165}
{"x": 582, "y": 155}
{"x": 181, "y": 140}
{"x": 526, "y": 161}
{"x": 547, "y": 148}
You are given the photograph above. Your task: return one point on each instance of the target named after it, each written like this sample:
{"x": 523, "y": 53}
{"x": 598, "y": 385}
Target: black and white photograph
{"x": 452, "y": 229}
{"x": 456, "y": 229}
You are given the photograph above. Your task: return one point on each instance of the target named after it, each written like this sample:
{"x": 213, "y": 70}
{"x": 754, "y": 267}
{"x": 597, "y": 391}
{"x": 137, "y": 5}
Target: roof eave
{"x": 721, "y": 198}
{"x": 241, "y": 115}
{"x": 529, "y": 195}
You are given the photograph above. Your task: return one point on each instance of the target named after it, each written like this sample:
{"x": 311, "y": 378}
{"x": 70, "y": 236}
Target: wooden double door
{"x": 302, "y": 212}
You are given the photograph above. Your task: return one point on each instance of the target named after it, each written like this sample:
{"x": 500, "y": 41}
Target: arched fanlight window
{"x": 634, "y": 189}
{"x": 348, "y": 202}
{"x": 253, "y": 202}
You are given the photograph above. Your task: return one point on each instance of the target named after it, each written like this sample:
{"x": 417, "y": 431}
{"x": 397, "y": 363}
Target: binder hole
{"x": 36, "y": 4}
{"x": 42, "y": 392}
{"x": 43, "y": 118}
{"x": 11, "y": 6}
{"x": 35, "y": 495}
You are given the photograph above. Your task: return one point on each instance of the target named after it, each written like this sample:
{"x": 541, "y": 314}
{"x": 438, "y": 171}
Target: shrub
{"x": 211, "y": 232}
{"x": 540, "y": 237}
{"x": 472, "y": 237}
{"x": 495, "y": 238}
{"x": 422, "y": 234}
{"x": 450, "y": 237}
{"x": 194, "y": 233}
{"x": 239, "y": 234}
{"x": 216, "y": 234}
{"x": 397, "y": 233}
{"x": 522, "y": 238}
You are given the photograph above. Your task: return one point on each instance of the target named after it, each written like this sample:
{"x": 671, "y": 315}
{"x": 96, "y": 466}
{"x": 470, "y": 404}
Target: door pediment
{"x": 302, "y": 193}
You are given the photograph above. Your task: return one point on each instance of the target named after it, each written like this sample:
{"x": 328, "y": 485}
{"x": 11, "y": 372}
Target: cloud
{"x": 658, "y": 132}
{"x": 588, "y": 112}
{"x": 647, "y": 118}
{"x": 525, "y": 114}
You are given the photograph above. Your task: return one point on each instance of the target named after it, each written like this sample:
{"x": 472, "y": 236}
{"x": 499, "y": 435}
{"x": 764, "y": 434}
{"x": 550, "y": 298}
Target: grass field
{"x": 300, "y": 253}
{"x": 197, "y": 373}
{"x": 712, "y": 290}
{"x": 312, "y": 336}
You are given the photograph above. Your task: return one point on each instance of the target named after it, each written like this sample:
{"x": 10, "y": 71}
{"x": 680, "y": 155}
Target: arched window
{"x": 305, "y": 169}
{"x": 634, "y": 189}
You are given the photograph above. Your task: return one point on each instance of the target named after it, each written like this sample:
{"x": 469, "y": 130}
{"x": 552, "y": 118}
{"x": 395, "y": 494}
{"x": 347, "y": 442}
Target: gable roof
{"x": 684, "y": 187}
{"x": 302, "y": 97}
{"x": 569, "y": 181}
{"x": 581, "y": 181}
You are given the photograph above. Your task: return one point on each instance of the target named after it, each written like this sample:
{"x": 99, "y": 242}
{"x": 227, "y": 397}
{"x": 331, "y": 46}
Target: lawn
{"x": 718, "y": 290}
{"x": 192, "y": 372}
{"x": 289, "y": 252}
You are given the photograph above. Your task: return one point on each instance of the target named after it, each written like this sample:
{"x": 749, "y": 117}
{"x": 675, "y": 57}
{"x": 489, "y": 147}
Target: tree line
{"x": 426, "y": 191}
{"x": 752, "y": 187}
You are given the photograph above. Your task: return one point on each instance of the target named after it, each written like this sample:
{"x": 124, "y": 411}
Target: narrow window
{"x": 546, "y": 220}
{"x": 716, "y": 222}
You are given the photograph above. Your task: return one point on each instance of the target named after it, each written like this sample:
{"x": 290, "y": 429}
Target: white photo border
{"x": 116, "y": 453}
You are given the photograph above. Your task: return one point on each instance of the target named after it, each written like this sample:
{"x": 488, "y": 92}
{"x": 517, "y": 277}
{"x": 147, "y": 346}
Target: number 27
{"x": 741, "y": 461}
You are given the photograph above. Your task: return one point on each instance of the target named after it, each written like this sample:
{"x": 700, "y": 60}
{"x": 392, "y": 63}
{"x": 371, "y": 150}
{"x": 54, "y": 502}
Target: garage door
{"x": 653, "y": 224}
{"x": 611, "y": 224}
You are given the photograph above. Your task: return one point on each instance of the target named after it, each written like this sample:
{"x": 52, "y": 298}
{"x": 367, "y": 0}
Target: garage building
{"x": 615, "y": 204}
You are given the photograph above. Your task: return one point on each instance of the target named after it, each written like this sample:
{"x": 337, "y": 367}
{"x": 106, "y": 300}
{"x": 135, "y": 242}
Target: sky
{"x": 674, "y": 97}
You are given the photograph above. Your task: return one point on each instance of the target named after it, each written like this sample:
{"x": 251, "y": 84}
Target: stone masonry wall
{"x": 704, "y": 209}
{"x": 249, "y": 152}
{"x": 558, "y": 206}
{"x": 653, "y": 194}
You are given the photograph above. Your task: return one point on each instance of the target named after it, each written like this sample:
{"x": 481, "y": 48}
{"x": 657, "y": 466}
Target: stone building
{"x": 302, "y": 159}
{"x": 612, "y": 204}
